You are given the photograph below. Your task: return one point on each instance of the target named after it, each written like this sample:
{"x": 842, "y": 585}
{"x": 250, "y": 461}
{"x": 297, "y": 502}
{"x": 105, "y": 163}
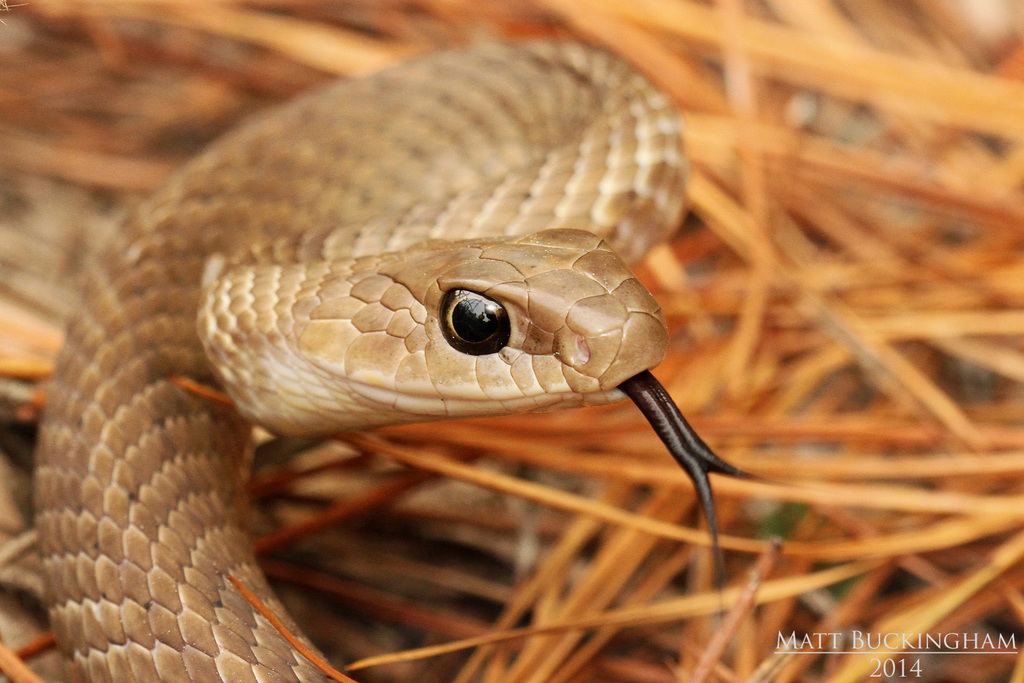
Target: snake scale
{"x": 447, "y": 238}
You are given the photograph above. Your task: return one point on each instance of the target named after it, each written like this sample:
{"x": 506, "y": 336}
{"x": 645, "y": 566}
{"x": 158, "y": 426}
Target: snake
{"x": 448, "y": 238}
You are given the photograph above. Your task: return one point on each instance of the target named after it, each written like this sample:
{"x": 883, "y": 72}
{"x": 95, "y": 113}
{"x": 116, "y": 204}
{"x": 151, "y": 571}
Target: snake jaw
{"x": 393, "y": 408}
{"x": 685, "y": 446}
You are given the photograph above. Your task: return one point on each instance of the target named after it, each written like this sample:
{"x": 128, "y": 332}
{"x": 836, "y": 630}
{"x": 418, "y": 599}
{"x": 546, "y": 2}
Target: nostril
{"x": 572, "y": 349}
{"x": 582, "y": 350}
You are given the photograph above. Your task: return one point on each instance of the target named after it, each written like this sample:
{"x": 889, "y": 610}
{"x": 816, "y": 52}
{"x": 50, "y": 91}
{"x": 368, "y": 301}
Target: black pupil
{"x": 473, "y": 324}
{"x": 475, "y": 320}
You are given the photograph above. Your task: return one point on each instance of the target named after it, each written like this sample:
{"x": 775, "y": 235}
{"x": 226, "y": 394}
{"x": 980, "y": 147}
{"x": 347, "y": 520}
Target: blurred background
{"x": 845, "y": 304}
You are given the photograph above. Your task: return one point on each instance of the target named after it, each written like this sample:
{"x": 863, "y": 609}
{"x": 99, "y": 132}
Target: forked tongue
{"x": 688, "y": 449}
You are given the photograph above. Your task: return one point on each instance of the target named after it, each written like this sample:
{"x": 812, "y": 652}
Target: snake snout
{"x": 604, "y": 340}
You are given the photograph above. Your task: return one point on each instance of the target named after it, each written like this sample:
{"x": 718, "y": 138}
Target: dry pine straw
{"x": 845, "y": 300}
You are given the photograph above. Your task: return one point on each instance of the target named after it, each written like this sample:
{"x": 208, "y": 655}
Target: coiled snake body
{"x": 366, "y": 255}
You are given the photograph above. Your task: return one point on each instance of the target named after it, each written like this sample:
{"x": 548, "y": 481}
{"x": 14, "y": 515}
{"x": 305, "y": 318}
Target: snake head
{"x": 438, "y": 330}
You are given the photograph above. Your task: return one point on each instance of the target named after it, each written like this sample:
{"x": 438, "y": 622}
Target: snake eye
{"x": 472, "y": 323}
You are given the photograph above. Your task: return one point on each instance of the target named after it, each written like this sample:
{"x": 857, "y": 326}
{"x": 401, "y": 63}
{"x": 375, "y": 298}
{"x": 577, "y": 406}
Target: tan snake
{"x": 363, "y": 256}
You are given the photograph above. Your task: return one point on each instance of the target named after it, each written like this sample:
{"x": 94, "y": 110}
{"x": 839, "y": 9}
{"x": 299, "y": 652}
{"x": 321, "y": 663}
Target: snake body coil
{"x": 317, "y": 247}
